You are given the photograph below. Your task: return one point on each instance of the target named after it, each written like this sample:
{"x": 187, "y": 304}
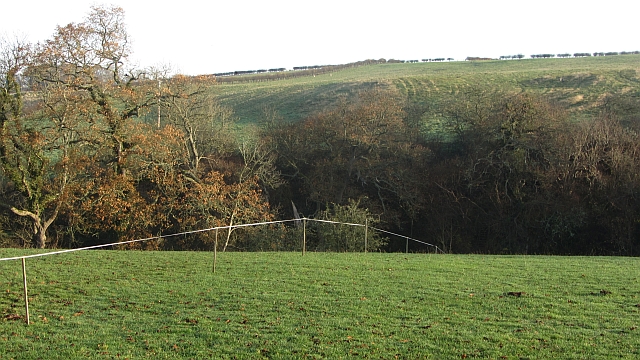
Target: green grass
{"x": 578, "y": 83}
{"x": 116, "y": 304}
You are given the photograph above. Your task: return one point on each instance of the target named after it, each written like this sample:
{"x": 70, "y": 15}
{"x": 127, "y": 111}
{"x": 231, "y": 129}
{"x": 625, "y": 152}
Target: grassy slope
{"x": 105, "y": 304}
{"x": 577, "y": 82}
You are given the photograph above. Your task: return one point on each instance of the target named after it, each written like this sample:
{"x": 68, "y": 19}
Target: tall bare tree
{"x": 189, "y": 105}
{"x": 89, "y": 59}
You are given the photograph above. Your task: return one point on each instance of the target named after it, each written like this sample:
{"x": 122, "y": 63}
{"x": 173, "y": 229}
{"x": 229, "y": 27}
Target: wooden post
{"x": 304, "y": 236}
{"x": 215, "y": 252}
{"x": 159, "y": 92}
{"x": 366, "y": 230}
{"x": 26, "y": 294}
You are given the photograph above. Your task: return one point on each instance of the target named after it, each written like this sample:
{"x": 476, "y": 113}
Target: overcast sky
{"x": 204, "y": 37}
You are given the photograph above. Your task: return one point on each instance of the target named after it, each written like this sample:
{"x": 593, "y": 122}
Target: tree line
{"x": 283, "y": 74}
{"x": 567, "y": 55}
{"x": 302, "y": 71}
{"x": 96, "y": 151}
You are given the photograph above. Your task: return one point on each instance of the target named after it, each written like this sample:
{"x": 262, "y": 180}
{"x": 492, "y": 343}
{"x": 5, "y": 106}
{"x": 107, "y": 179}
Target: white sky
{"x": 204, "y": 37}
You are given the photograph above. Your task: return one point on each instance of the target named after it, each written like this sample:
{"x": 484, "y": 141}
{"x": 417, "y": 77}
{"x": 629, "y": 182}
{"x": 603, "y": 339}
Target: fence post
{"x": 26, "y": 294}
{"x": 407, "y": 247}
{"x": 366, "y": 230}
{"x": 215, "y": 252}
{"x": 304, "y": 236}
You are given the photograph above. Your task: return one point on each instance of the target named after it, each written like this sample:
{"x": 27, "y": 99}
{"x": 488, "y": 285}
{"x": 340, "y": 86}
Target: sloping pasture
{"x": 579, "y": 83}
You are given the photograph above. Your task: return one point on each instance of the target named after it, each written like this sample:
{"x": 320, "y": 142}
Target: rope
{"x": 380, "y": 230}
{"x": 334, "y": 222}
{"x": 402, "y": 236}
{"x": 140, "y": 240}
{"x": 204, "y": 230}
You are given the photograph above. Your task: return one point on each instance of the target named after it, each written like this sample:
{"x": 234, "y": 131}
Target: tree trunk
{"x": 40, "y": 237}
{"x": 39, "y": 226}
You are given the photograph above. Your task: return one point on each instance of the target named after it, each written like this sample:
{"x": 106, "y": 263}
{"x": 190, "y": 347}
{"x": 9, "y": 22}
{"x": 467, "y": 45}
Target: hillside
{"x": 577, "y": 82}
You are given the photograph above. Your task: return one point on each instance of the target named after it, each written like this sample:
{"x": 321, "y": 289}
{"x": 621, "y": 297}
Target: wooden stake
{"x": 26, "y": 294}
{"x": 215, "y": 252}
{"x": 366, "y": 230}
{"x": 304, "y": 236}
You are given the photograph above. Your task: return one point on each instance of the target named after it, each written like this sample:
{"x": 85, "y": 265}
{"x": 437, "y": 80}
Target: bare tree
{"x": 190, "y": 106}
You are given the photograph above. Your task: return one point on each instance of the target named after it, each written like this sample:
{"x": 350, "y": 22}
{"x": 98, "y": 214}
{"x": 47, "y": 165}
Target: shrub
{"x": 347, "y": 238}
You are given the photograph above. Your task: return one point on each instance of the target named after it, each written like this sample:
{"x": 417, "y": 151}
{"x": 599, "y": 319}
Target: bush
{"x": 348, "y": 238}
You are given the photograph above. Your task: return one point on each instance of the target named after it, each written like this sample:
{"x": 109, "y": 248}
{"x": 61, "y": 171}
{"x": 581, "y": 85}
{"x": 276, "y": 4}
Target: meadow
{"x": 273, "y": 305}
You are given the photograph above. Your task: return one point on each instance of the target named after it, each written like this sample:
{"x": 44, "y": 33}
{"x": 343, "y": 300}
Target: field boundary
{"x": 407, "y": 238}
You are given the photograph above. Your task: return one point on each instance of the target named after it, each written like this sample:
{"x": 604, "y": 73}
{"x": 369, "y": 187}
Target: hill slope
{"x": 578, "y": 82}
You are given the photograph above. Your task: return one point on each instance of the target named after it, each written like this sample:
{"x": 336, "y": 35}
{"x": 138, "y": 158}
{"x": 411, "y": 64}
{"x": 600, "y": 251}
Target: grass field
{"x": 578, "y": 82}
{"x": 117, "y": 304}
